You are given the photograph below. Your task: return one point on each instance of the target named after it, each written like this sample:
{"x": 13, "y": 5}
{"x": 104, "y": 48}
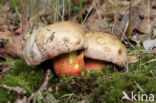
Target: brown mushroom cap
{"x": 53, "y": 40}
{"x": 105, "y": 47}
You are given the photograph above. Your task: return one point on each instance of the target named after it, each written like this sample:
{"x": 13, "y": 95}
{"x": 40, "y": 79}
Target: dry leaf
{"x": 154, "y": 32}
{"x": 154, "y": 52}
{"x": 149, "y": 44}
{"x": 145, "y": 27}
{"x": 10, "y": 45}
{"x": 132, "y": 59}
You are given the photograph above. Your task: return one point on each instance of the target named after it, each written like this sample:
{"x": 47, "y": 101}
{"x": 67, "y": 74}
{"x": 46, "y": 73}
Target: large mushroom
{"x": 104, "y": 47}
{"x": 66, "y": 44}
{"x": 60, "y": 41}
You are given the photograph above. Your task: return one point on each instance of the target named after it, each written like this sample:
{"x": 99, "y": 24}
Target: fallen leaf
{"x": 149, "y": 44}
{"x": 19, "y": 30}
{"x": 127, "y": 25}
{"x": 10, "y": 45}
{"x": 132, "y": 59}
{"x": 145, "y": 27}
{"x": 154, "y": 32}
{"x": 154, "y": 52}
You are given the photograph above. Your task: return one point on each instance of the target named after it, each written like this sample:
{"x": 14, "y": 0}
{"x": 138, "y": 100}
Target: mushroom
{"x": 104, "y": 47}
{"x": 66, "y": 44}
{"x": 56, "y": 41}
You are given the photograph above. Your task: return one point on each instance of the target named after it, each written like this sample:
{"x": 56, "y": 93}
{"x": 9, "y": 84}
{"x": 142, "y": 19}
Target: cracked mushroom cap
{"x": 53, "y": 40}
{"x": 105, "y": 47}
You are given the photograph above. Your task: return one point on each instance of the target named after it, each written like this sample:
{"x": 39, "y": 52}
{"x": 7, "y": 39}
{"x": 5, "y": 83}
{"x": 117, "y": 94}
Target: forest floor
{"x": 132, "y": 21}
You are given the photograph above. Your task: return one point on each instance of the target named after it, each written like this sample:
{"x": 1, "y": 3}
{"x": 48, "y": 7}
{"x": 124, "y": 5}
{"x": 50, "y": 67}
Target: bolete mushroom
{"x": 55, "y": 41}
{"x": 60, "y": 41}
{"x": 104, "y": 47}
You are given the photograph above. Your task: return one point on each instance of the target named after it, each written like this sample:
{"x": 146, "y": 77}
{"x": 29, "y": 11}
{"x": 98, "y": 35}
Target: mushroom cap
{"x": 105, "y": 47}
{"x": 53, "y": 40}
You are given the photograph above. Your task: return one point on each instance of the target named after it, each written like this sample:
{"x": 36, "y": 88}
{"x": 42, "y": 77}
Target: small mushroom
{"x": 104, "y": 47}
{"x": 55, "y": 41}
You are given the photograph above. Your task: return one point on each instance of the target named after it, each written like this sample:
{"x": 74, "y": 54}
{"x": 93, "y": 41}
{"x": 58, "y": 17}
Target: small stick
{"x": 91, "y": 7}
{"x": 23, "y": 100}
{"x": 42, "y": 88}
{"x": 17, "y": 89}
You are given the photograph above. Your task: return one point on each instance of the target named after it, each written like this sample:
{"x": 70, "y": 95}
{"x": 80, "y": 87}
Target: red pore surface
{"x": 92, "y": 64}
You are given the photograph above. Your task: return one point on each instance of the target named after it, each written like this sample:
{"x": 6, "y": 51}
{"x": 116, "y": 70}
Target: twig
{"x": 63, "y": 10}
{"x": 152, "y": 60}
{"x": 17, "y": 89}
{"x": 4, "y": 68}
{"x": 91, "y": 7}
{"x": 23, "y": 100}
{"x": 42, "y": 88}
{"x": 152, "y": 74}
{"x": 123, "y": 34}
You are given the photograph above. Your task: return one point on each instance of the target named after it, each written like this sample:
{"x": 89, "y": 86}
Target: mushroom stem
{"x": 69, "y": 64}
{"x": 72, "y": 56}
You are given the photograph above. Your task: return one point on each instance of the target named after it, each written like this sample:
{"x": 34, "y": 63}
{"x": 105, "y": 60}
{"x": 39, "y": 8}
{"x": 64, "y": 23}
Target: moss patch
{"x": 106, "y": 86}
{"x": 23, "y": 76}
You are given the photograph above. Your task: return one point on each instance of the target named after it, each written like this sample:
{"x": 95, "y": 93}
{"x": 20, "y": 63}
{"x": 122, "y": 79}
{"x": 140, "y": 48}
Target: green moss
{"x": 106, "y": 86}
{"x": 4, "y": 96}
{"x": 111, "y": 90}
{"x": 23, "y": 76}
